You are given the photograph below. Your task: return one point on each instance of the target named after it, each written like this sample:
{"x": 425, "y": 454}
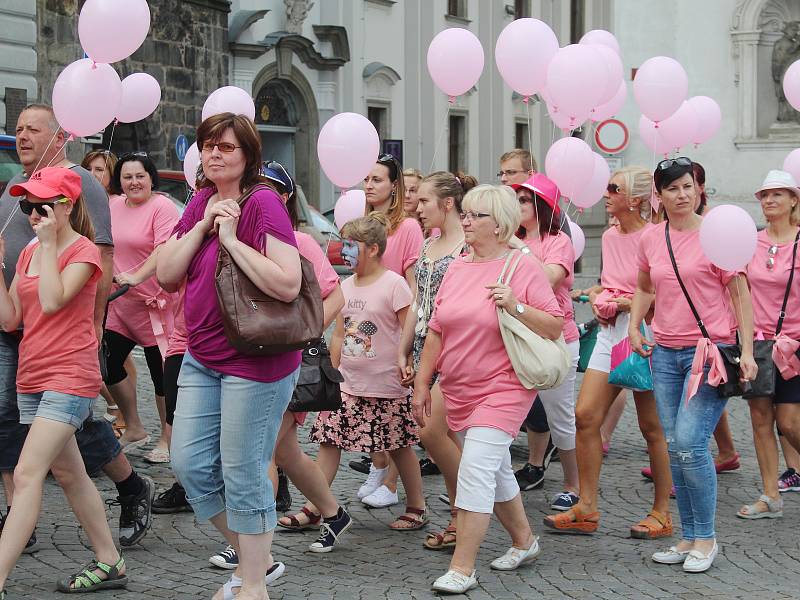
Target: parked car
{"x": 9, "y": 161}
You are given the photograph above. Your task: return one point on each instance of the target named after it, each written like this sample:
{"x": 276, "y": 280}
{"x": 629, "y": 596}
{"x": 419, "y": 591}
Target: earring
{"x": 497, "y": 232}
{"x": 630, "y": 208}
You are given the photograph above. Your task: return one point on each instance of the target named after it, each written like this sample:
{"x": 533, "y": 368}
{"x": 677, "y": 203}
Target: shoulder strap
{"x": 697, "y": 318}
{"x": 510, "y": 267}
{"x": 249, "y": 192}
{"x": 782, "y": 314}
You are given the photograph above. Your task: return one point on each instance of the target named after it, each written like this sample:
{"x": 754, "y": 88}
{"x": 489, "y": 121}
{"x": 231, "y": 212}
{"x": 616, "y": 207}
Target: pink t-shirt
{"x": 477, "y": 380}
{"x": 146, "y": 308}
{"x": 403, "y": 247}
{"x": 371, "y": 336}
{"x": 768, "y": 287}
{"x": 264, "y": 213}
{"x": 620, "y": 268}
{"x": 309, "y": 249}
{"x": 179, "y": 338}
{"x": 558, "y": 250}
{"x": 58, "y": 352}
{"x": 674, "y": 326}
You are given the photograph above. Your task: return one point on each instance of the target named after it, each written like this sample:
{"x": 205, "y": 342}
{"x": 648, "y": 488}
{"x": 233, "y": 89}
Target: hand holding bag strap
{"x": 697, "y": 318}
{"x": 782, "y": 314}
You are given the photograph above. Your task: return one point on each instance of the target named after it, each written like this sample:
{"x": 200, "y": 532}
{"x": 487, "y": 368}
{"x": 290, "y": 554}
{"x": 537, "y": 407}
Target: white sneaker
{"x": 373, "y": 482}
{"x": 516, "y": 557}
{"x": 673, "y": 556}
{"x": 454, "y": 582}
{"x": 697, "y": 562}
{"x": 381, "y": 498}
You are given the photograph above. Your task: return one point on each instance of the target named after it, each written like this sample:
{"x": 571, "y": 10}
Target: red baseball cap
{"x": 543, "y": 187}
{"x": 49, "y": 183}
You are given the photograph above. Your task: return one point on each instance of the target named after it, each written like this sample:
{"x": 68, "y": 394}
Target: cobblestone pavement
{"x": 758, "y": 559}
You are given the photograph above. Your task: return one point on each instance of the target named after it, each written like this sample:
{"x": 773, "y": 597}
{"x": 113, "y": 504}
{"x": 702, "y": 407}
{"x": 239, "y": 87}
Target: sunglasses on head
{"x": 613, "y": 188}
{"x": 27, "y": 207}
{"x": 137, "y": 154}
{"x": 668, "y": 163}
{"x": 288, "y": 183}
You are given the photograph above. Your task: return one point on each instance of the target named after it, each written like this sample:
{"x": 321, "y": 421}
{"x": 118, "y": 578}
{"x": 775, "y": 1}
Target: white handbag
{"x": 540, "y": 364}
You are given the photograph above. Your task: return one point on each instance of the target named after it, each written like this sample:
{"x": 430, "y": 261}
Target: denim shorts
{"x": 54, "y": 406}
{"x": 97, "y": 444}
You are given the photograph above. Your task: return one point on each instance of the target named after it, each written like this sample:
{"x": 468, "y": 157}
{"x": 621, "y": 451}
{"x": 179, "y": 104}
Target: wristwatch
{"x": 520, "y": 309}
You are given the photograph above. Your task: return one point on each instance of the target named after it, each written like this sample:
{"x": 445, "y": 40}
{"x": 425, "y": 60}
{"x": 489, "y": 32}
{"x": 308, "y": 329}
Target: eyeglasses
{"x": 137, "y": 154}
{"x": 27, "y": 207}
{"x": 509, "y": 172}
{"x": 224, "y": 147}
{"x": 771, "y": 252}
{"x": 681, "y": 161}
{"x": 287, "y": 181}
{"x": 613, "y": 188}
{"x": 471, "y": 216}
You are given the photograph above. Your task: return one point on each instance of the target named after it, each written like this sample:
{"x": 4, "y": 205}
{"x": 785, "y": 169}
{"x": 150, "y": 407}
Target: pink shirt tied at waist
{"x": 706, "y": 352}
{"x": 604, "y": 302}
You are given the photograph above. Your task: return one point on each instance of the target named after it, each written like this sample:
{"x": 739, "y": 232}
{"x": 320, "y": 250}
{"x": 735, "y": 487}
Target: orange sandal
{"x": 444, "y": 540}
{"x": 647, "y": 531}
{"x": 573, "y": 521}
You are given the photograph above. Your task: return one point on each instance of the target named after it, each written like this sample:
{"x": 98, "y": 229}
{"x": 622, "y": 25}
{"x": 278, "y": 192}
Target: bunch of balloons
{"x": 88, "y": 94}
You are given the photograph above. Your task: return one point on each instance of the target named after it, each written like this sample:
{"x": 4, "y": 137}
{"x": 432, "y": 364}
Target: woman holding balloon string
{"x": 769, "y": 275}
{"x": 688, "y": 401}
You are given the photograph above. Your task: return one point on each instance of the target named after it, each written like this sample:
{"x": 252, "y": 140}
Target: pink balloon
{"x": 351, "y": 205}
{"x": 651, "y": 136}
{"x": 229, "y": 99}
{"x": 141, "y": 95}
{"x": 680, "y": 128}
{"x": 578, "y": 239}
{"x": 86, "y": 97}
{"x": 569, "y": 163}
{"x": 614, "y": 74}
{"x": 613, "y": 106}
{"x": 592, "y": 192}
{"x": 563, "y": 121}
{"x": 347, "y": 148}
{"x": 191, "y": 163}
{"x": 728, "y": 236}
{"x": 660, "y": 87}
{"x": 455, "y": 61}
{"x": 792, "y": 163}
{"x": 603, "y": 37}
{"x": 112, "y": 30}
{"x": 524, "y": 49}
{"x": 576, "y": 79}
{"x": 791, "y": 84}
{"x": 709, "y": 118}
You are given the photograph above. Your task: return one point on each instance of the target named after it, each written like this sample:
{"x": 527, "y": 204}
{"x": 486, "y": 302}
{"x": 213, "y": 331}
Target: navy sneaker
{"x": 331, "y": 530}
{"x": 226, "y": 559}
{"x": 564, "y": 501}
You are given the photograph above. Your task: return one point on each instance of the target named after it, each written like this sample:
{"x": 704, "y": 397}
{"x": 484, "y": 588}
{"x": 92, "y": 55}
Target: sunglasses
{"x": 28, "y": 207}
{"x": 287, "y": 182}
{"x": 613, "y": 188}
{"x": 137, "y": 154}
{"x": 771, "y": 252}
{"x": 668, "y": 163}
{"x": 224, "y": 147}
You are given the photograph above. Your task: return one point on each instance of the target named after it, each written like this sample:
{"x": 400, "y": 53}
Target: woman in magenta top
{"x": 230, "y": 404}
{"x": 485, "y": 401}
{"x": 769, "y": 274}
{"x": 541, "y": 232}
{"x": 142, "y": 222}
{"x": 687, "y": 366}
{"x": 626, "y": 199}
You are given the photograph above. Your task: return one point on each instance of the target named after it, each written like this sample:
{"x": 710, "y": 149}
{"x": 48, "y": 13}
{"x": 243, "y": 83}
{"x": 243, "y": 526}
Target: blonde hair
{"x": 411, "y": 172}
{"x": 502, "y": 205}
{"x": 371, "y": 229}
{"x": 794, "y": 215}
{"x": 637, "y": 184}
{"x": 524, "y": 156}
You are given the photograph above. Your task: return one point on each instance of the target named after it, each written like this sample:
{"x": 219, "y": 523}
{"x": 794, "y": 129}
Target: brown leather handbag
{"x": 254, "y": 322}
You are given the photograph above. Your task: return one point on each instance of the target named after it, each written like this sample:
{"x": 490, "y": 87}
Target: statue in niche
{"x": 785, "y": 52}
{"x": 296, "y": 13}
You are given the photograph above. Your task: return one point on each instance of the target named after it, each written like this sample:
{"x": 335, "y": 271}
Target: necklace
{"x": 489, "y": 258}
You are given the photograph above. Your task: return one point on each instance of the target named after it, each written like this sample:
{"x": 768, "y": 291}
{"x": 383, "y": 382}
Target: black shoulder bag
{"x": 764, "y": 384}
{"x": 318, "y": 385}
{"x": 730, "y": 354}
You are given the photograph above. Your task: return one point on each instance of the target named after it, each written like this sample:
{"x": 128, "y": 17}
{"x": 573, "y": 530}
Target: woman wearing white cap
{"x": 776, "y": 314}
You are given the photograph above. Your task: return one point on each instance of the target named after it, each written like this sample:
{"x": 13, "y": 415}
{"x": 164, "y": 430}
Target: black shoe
{"x": 331, "y": 530}
{"x": 32, "y": 545}
{"x": 428, "y": 467}
{"x": 550, "y": 454}
{"x": 530, "y": 477}
{"x": 361, "y": 465}
{"x": 283, "y": 500}
{"x": 171, "y": 501}
{"x": 135, "y": 516}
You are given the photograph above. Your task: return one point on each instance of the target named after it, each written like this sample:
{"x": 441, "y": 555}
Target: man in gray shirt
{"x": 40, "y": 143}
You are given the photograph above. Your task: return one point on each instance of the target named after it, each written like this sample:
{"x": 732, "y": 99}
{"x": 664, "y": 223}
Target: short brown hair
{"x": 371, "y": 229}
{"x": 524, "y": 156}
{"x": 212, "y": 129}
{"x": 106, "y": 155}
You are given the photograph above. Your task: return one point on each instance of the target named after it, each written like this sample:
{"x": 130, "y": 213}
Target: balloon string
{"x": 652, "y": 192}
{"x": 110, "y": 140}
{"x": 530, "y": 138}
{"x": 739, "y": 316}
{"x": 441, "y": 137}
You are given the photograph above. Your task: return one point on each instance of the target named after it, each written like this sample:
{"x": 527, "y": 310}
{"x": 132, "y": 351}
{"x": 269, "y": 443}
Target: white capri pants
{"x": 485, "y": 475}
{"x": 607, "y": 338}
{"x": 559, "y": 405}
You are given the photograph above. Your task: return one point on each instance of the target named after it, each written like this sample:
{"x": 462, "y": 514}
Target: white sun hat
{"x": 778, "y": 180}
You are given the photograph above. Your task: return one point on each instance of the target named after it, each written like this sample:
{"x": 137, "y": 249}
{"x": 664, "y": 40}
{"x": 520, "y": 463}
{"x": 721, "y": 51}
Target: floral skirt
{"x": 366, "y": 424}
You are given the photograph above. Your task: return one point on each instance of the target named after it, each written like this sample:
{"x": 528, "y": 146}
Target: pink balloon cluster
{"x": 581, "y": 174}
{"x": 791, "y": 84}
{"x": 347, "y": 148}
{"x": 231, "y": 99}
{"x": 350, "y": 206}
{"x": 523, "y": 51}
{"x": 791, "y": 163}
{"x": 455, "y": 61}
{"x": 111, "y": 30}
{"x": 696, "y": 121}
{"x": 729, "y": 237}
{"x": 660, "y": 87}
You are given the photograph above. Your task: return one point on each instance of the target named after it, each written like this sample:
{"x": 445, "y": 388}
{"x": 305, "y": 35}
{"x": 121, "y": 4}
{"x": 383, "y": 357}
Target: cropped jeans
{"x": 688, "y": 428}
{"x": 222, "y": 442}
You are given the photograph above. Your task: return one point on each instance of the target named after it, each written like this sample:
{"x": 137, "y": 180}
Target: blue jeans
{"x": 222, "y": 441}
{"x": 688, "y": 429}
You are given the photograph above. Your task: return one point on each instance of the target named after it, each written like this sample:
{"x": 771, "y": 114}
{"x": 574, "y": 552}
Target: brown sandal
{"x": 296, "y": 525}
{"x": 647, "y": 531}
{"x": 418, "y": 520}
{"x": 573, "y": 521}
